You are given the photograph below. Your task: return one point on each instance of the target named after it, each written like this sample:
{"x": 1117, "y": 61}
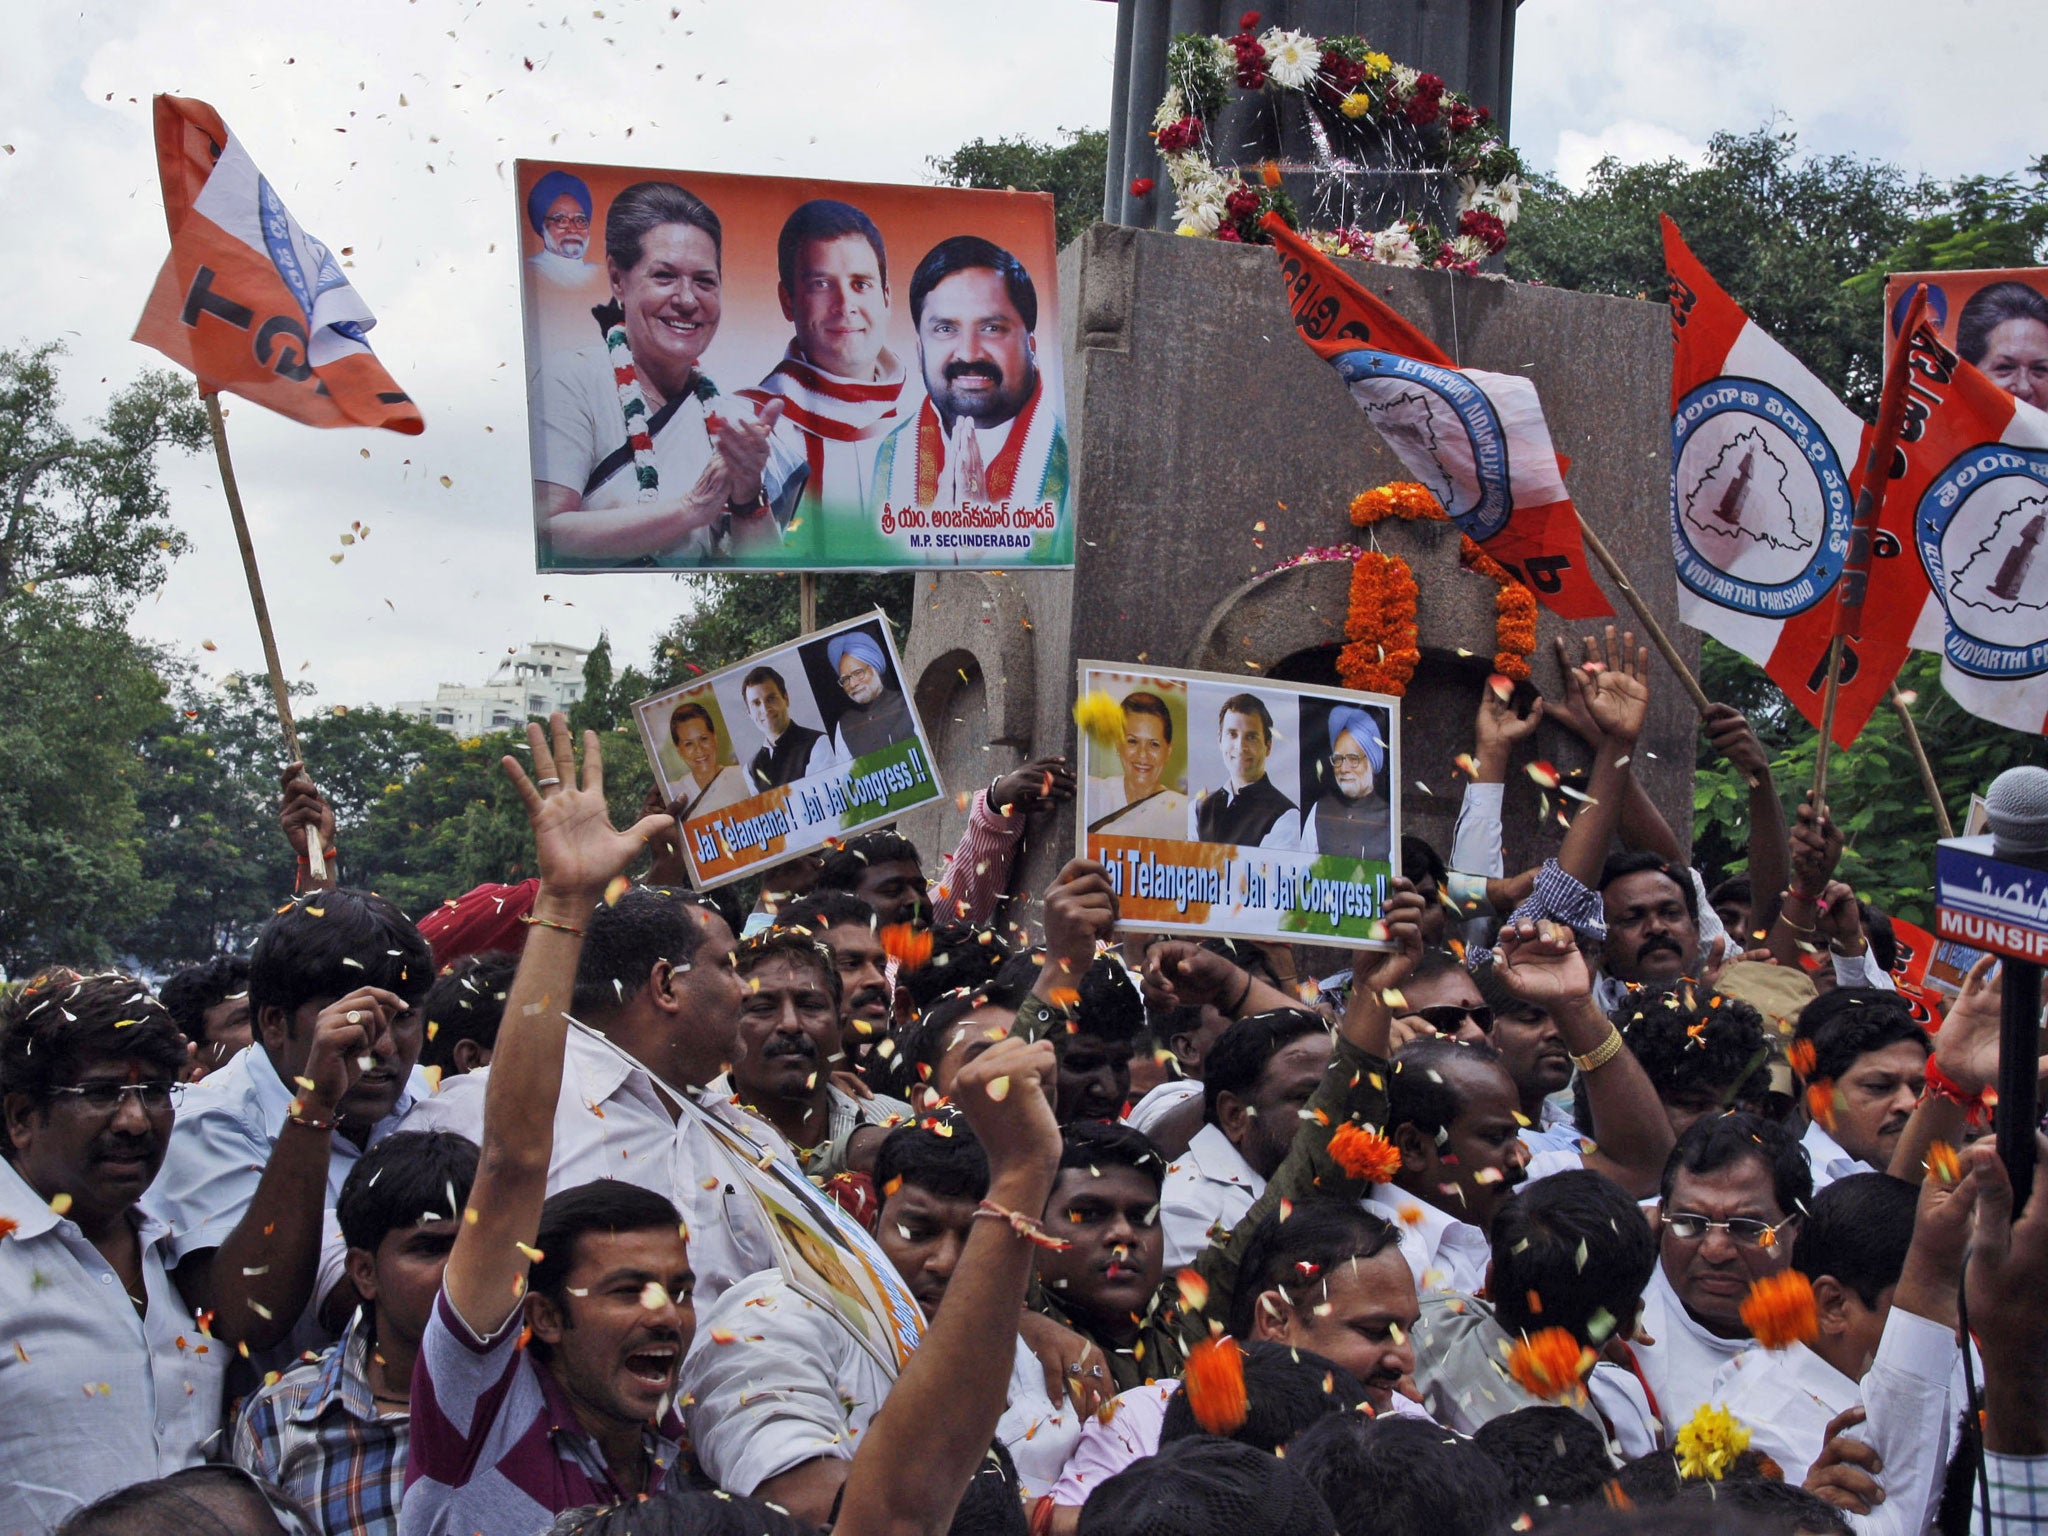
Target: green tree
{"x": 1992, "y": 221}
{"x": 1073, "y": 172}
{"x": 737, "y": 615}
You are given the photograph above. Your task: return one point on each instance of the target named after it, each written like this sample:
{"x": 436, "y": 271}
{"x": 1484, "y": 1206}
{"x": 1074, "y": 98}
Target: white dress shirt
{"x": 1787, "y": 1397}
{"x": 1211, "y": 1186}
{"x": 1682, "y": 1363}
{"x": 97, "y": 1395}
{"x": 1829, "y": 1159}
{"x": 1162, "y": 1101}
{"x": 789, "y": 1384}
{"x": 1444, "y": 1253}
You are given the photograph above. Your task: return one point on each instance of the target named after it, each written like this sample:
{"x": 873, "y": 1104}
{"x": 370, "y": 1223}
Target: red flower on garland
{"x": 1228, "y": 233}
{"x": 1141, "y": 186}
{"x": 1484, "y": 226}
{"x": 1431, "y": 86}
{"x": 1463, "y": 117}
{"x": 1179, "y": 137}
{"x": 1242, "y": 202}
{"x": 1421, "y": 110}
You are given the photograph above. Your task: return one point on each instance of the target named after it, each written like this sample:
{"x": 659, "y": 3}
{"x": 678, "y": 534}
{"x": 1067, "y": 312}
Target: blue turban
{"x": 1350, "y": 720}
{"x": 860, "y": 644}
{"x": 551, "y": 186}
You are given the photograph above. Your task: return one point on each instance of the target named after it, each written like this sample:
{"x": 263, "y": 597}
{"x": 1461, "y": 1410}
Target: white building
{"x": 538, "y": 681}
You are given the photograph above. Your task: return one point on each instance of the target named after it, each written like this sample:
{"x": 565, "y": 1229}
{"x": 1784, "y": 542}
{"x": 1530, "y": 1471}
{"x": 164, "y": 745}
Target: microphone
{"x": 2016, "y": 811}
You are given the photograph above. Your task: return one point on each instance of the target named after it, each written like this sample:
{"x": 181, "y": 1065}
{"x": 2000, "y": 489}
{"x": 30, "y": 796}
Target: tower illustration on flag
{"x": 1764, "y": 460}
{"x": 247, "y": 300}
{"x": 1971, "y": 509}
{"x": 1477, "y": 440}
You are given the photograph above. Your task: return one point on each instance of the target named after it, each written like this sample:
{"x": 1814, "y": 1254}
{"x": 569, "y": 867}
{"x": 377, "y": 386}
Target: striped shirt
{"x": 2019, "y": 1494}
{"x": 496, "y": 1446}
{"x": 316, "y": 1433}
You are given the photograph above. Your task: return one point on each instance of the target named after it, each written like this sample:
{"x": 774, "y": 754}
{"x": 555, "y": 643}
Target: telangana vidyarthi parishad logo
{"x": 1760, "y": 504}
{"x": 1443, "y": 428}
{"x": 1981, "y": 529}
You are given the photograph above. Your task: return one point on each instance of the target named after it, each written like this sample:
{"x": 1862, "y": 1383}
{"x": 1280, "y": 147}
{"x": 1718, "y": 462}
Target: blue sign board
{"x": 1990, "y": 903}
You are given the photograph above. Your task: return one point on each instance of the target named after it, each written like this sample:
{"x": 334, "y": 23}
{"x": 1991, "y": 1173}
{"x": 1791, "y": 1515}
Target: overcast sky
{"x": 391, "y": 127}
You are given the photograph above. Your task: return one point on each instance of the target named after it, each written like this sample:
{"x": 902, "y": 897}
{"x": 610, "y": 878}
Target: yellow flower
{"x": 1710, "y": 1442}
{"x": 1357, "y": 104}
{"x": 1100, "y": 717}
{"x": 1377, "y": 64}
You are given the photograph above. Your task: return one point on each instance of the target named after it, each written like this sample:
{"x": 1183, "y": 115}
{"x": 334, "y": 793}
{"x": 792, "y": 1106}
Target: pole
{"x": 807, "y": 603}
{"x": 1658, "y": 638}
{"x": 1827, "y": 724}
{"x": 316, "y": 858}
{"x": 2019, "y": 1047}
{"x": 1928, "y": 781}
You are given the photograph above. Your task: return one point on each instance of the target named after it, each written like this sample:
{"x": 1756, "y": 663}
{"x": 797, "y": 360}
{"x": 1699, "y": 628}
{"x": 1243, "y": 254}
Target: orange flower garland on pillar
{"x": 1383, "y": 651}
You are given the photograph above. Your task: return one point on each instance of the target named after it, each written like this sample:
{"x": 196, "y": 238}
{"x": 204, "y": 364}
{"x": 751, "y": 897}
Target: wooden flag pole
{"x": 1658, "y": 638}
{"x": 1928, "y": 781}
{"x": 316, "y": 857}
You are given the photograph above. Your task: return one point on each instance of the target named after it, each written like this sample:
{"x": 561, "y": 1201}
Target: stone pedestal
{"x": 1195, "y": 416}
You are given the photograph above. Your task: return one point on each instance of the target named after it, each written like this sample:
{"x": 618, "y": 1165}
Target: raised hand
{"x": 1617, "y": 685}
{"x": 304, "y": 811}
{"x": 2007, "y": 1275}
{"x": 1966, "y": 1050}
{"x": 1499, "y": 728}
{"x": 1570, "y": 711}
{"x": 1182, "y": 974}
{"x": 1539, "y": 961}
{"x": 1006, "y": 1094}
{"x": 346, "y": 1035}
{"x": 742, "y": 444}
{"x": 1080, "y": 909}
{"x": 1036, "y": 786}
{"x": 1838, "y": 920}
{"x": 1729, "y": 731}
{"x": 1403, "y": 917}
{"x": 1816, "y": 849}
{"x": 577, "y": 848}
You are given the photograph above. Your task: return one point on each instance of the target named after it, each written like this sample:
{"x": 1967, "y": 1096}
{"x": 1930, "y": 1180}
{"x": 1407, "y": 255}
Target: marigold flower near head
{"x": 1101, "y": 718}
{"x": 909, "y": 946}
{"x": 1364, "y": 1154}
{"x": 1801, "y": 1056}
{"x": 1780, "y": 1310}
{"x": 1709, "y": 1442}
{"x": 1214, "y": 1383}
{"x": 1820, "y": 1102}
{"x": 1549, "y": 1363}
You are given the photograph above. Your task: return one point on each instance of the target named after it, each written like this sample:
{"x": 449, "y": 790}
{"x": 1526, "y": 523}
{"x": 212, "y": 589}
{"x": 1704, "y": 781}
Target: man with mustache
{"x": 1870, "y": 1056}
{"x": 789, "y": 1047}
{"x": 986, "y": 433}
{"x": 562, "y": 284}
{"x": 848, "y": 927}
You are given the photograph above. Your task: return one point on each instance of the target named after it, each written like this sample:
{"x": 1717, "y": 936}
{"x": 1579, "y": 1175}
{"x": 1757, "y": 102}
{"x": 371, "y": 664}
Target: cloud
{"x": 1631, "y": 143}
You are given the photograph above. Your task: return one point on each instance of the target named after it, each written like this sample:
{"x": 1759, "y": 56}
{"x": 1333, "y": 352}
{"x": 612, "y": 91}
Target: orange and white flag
{"x": 250, "y": 302}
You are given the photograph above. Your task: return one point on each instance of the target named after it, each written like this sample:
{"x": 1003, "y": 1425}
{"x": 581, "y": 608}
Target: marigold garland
{"x": 1549, "y": 1363}
{"x": 1780, "y": 1310}
{"x": 1383, "y": 652}
{"x": 1364, "y": 1154}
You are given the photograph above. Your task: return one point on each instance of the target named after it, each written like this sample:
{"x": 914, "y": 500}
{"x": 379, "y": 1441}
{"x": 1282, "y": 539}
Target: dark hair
{"x": 1883, "y": 937}
{"x": 1854, "y": 1021}
{"x": 953, "y": 1167}
{"x": 1728, "y": 1059}
{"x": 1287, "y": 1248}
{"x": 1285, "y": 1391}
{"x": 61, "y": 1020}
{"x": 466, "y": 1002}
{"x": 823, "y": 219}
{"x": 961, "y": 957}
{"x": 604, "y": 1206}
{"x": 1109, "y": 1007}
{"x": 691, "y": 711}
{"x": 1989, "y": 308}
{"x": 1421, "y": 862}
{"x": 927, "y": 1042}
{"x": 1092, "y": 1144}
{"x": 327, "y": 943}
{"x": 625, "y": 940}
{"x": 1396, "y": 1474}
{"x": 189, "y": 993}
{"x": 1432, "y": 963}
{"x": 1736, "y": 889}
{"x": 779, "y": 943}
{"x": 1635, "y": 861}
{"x": 646, "y": 206}
{"x": 967, "y": 253}
{"x": 1546, "y": 1453}
{"x": 826, "y": 909}
{"x": 847, "y": 864}
{"x": 760, "y": 675}
{"x": 1714, "y": 1142}
{"x": 1774, "y": 1508}
{"x": 1143, "y": 703}
{"x": 211, "y": 1499}
{"x": 1419, "y": 1091}
{"x": 1858, "y": 1230}
{"x": 1238, "y": 1059}
{"x": 405, "y": 1179}
{"x": 1247, "y": 704}
{"x": 680, "y": 1510}
{"x": 1576, "y": 1242}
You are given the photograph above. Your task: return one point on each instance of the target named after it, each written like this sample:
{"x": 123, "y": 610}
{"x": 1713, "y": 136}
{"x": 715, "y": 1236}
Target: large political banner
{"x": 1251, "y": 809}
{"x": 761, "y": 371}
{"x": 792, "y": 748}
{"x": 1996, "y": 319}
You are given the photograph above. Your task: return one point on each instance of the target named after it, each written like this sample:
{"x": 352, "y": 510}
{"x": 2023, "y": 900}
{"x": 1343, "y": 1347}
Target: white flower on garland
{"x": 1172, "y": 108}
{"x": 1226, "y": 56}
{"x": 1469, "y": 248}
{"x": 1292, "y": 58}
{"x": 1395, "y": 246}
{"x": 1504, "y": 197}
{"x": 1404, "y": 77}
{"x": 1200, "y": 209}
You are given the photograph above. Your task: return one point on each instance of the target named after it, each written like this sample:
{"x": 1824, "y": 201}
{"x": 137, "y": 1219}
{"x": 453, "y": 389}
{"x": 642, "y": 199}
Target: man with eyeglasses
{"x": 1728, "y": 1213}
{"x": 109, "y": 1380}
{"x": 561, "y": 284}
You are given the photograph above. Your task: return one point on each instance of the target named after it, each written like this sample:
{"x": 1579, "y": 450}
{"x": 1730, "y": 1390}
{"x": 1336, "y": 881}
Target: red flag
{"x": 1477, "y": 440}
{"x": 247, "y": 300}
{"x": 1875, "y": 480}
{"x": 1762, "y": 502}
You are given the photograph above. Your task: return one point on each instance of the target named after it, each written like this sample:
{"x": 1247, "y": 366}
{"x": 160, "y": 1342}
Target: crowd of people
{"x": 1595, "y": 1198}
